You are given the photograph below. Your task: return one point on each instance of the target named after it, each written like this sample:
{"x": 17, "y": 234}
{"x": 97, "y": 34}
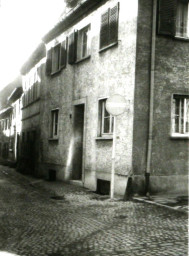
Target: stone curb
{"x": 161, "y": 205}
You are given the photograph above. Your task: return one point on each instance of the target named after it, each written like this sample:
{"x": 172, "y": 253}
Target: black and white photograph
{"x": 94, "y": 127}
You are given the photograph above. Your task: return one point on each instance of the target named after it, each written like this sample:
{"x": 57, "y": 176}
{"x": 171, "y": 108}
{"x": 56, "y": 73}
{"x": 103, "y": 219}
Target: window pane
{"x": 56, "y": 123}
{"x": 177, "y": 101}
{"x": 112, "y": 124}
{"x": 187, "y": 115}
{"x": 182, "y": 19}
{"x": 84, "y": 47}
{"x": 106, "y": 114}
{"x": 106, "y": 125}
{"x": 181, "y": 128}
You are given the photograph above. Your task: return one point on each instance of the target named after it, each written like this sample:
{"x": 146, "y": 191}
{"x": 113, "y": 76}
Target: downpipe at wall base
{"x": 151, "y": 104}
{"x": 147, "y": 184}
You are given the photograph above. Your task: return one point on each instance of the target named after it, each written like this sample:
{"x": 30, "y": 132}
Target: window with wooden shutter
{"x": 72, "y": 48}
{"x": 63, "y": 54}
{"x": 49, "y": 62}
{"x": 113, "y": 25}
{"x": 56, "y": 58}
{"x": 104, "y": 30}
{"x": 173, "y": 18}
{"x": 109, "y": 27}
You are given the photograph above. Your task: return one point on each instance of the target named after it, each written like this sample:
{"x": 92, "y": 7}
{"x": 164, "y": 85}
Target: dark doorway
{"x": 32, "y": 153}
{"x": 78, "y": 141}
{"x": 17, "y": 147}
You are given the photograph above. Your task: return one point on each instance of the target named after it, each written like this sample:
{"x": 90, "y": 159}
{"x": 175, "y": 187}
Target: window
{"x": 106, "y": 121}
{"x": 109, "y": 27}
{"x": 54, "y": 124}
{"x": 182, "y": 19}
{"x": 180, "y": 118}
{"x": 174, "y": 18}
{"x": 83, "y": 43}
{"x": 56, "y": 58}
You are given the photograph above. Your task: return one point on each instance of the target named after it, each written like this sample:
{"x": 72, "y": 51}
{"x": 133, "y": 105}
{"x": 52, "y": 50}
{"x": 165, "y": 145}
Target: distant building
{"x": 31, "y": 111}
{"x": 10, "y": 122}
{"x": 138, "y": 49}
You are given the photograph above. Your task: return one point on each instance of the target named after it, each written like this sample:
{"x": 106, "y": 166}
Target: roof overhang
{"x": 5, "y": 111}
{"x": 71, "y": 18}
{"x": 16, "y": 93}
{"x": 38, "y": 54}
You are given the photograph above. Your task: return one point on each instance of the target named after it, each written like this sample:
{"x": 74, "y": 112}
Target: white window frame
{"x": 54, "y": 131}
{"x": 179, "y": 15}
{"x": 80, "y": 43}
{"x": 182, "y": 116}
{"x": 102, "y": 117}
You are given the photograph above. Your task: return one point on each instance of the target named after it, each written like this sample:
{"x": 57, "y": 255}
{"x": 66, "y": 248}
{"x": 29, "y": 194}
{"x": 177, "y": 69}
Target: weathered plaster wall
{"x": 30, "y": 122}
{"x": 169, "y": 156}
{"x": 104, "y": 74}
{"x": 141, "y": 101}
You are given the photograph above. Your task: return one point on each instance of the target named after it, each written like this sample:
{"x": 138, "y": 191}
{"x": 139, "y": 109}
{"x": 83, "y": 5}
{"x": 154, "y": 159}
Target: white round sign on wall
{"x": 116, "y": 105}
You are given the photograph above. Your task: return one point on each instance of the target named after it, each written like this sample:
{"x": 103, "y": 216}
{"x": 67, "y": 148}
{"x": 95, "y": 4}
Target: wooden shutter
{"x": 167, "y": 17}
{"x": 72, "y": 48}
{"x": 104, "y": 29}
{"x": 49, "y": 62}
{"x": 113, "y": 24}
{"x": 63, "y": 54}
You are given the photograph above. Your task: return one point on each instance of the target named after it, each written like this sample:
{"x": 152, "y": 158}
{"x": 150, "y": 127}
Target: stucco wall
{"x": 169, "y": 156}
{"x": 102, "y": 75}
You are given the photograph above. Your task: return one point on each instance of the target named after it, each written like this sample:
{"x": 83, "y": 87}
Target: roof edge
{"x": 71, "y": 18}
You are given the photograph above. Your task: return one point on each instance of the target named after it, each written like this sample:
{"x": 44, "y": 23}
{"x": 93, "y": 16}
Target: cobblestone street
{"x": 32, "y": 223}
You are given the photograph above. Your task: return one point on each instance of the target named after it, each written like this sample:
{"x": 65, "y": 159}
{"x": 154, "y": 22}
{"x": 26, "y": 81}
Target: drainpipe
{"x": 152, "y": 68}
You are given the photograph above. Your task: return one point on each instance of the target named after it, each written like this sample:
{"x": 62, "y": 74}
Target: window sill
{"x": 179, "y": 136}
{"x": 31, "y": 103}
{"x": 108, "y": 46}
{"x": 57, "y": 72}
{"x": 53, "y": 139}
{"x": 81, "y": 60}
{"x": 181, "y": 38}
{"x": 108, "y": 137}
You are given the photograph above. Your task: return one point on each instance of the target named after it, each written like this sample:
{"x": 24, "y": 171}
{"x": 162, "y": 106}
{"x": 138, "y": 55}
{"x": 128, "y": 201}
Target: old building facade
{"x": 31, "y": 110}
{"x": 78, "y": 143}
{"x": 161, "y": 96}
{"x": 10, "y": 122}
{"x": 136, "y": 49}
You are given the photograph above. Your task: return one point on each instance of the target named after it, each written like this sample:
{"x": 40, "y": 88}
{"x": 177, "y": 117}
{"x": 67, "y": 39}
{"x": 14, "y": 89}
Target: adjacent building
{"x": 31, "y": 111}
